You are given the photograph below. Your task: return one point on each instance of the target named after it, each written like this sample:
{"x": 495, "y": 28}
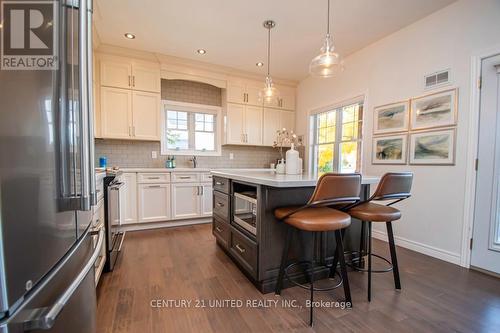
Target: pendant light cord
{"x": 328, "y": 19}
{"x": 268, "y": 50}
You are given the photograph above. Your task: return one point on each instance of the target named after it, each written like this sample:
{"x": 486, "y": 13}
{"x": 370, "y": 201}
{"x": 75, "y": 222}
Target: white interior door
{"x": 486, "y": 235}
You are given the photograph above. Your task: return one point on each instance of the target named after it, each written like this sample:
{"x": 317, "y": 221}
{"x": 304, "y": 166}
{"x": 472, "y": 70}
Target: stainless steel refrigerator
{"x": 47, "y": 184}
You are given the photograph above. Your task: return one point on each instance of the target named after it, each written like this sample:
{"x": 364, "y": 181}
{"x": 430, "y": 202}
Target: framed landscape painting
{"x": 390, "y": 149}
{"x": 434, "y": 110}
{"x": 391, "y": 118}
{"x": 433, "y": 147}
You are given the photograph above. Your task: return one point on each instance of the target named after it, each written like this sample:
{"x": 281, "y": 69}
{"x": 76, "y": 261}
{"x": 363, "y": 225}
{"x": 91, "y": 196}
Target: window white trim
{"x": 338, "y": 104}
{"x": 192, "y": 107}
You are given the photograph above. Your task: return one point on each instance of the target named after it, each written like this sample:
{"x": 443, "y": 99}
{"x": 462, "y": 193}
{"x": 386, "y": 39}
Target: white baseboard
{"x": 432, "y": 251}
{"x": 166, "y": 224}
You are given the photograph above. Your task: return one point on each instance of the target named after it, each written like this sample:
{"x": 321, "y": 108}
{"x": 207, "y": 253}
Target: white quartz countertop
{"x": 165, "y": 170}
{"x": 269, "y": 178}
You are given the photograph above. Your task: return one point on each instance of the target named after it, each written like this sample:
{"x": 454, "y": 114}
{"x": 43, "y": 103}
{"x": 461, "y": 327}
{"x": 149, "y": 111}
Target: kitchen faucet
{"x": 195, "y": 161}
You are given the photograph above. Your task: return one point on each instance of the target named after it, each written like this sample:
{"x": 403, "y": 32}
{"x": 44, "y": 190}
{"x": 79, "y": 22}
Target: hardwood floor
{"x": 184, "y": 263}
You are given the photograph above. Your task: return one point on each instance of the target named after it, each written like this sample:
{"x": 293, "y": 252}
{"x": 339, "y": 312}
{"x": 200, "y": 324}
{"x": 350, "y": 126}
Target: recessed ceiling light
{"x": 201, "y": 51}
{"x": 129, "y": 35}
{"x": 259, "y": 64}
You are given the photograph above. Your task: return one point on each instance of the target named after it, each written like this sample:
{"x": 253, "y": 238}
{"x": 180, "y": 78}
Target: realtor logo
{"x": 28, "y": 39}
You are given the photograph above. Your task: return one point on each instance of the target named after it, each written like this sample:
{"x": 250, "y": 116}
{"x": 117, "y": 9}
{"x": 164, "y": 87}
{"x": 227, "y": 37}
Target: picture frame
{"x": 390, "y": 149}
{"x": 436, "y": 110}
{"x": 435, "y": 147}
{"x": 391, "y": 118}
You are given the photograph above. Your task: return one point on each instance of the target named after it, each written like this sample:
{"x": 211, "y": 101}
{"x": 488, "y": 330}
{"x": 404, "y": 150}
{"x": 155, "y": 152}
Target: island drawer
{"x": 222, "y": 232}
{"x": 221, "y": 205}
{"x": 244, "y": 251}
{"x": 221, "y": 184}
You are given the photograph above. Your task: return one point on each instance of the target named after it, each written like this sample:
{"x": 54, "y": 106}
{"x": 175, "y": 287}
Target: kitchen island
{"x": 245, "y": 227}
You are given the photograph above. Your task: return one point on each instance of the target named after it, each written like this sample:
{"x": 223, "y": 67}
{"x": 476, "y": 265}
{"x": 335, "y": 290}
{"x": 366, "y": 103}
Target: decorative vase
{"x": 280, "y": 167}
{"x": 292, "y": 161}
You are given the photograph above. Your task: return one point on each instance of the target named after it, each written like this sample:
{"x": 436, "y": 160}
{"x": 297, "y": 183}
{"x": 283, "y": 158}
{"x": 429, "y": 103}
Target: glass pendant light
{"x": 269, "y": 94}
{"x": 328, "y": 62}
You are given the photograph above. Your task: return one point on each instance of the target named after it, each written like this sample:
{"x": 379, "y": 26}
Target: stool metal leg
{"x": 313, "y": 254}
{"x": 361, "y": 245}
{"x": 394, "y": 259}
{"x": 369, "y": 261}
{"x": 343, "y": 267}
{"x": 284, "y": 259}
{"x": 336, "y": 258}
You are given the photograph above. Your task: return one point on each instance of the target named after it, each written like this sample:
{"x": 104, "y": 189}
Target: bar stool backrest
{"x": 394, "y": 186}
{"x": 333, "y": 188}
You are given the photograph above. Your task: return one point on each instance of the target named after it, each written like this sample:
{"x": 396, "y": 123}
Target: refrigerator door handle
{"x": 44, "y": 318}
{"x": 90, "y": 106}
{"x": 86, "y": 199}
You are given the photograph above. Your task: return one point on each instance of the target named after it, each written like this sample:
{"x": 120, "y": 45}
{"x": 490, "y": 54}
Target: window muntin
{"x": 336, "y": 139}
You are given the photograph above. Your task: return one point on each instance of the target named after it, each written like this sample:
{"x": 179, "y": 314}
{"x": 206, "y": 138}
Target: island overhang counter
{"x": 244, "y": 225}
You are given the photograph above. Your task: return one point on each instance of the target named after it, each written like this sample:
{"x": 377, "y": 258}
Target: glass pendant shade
{"x": 269, "y": 94}
{"x": 328, "y": 62}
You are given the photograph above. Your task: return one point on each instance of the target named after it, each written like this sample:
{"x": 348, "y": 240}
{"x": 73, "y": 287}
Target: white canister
{"x": 292, "y": 161}
{"x": 280, "y": 167}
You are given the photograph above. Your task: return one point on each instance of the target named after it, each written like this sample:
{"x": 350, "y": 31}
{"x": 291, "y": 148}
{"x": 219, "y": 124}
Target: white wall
{"x": 391, "y": 70}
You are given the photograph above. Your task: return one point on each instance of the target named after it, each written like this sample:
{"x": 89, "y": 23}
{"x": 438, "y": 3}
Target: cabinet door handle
{"x": 242, "y": 250}
{"x": 218, "y": 229}
{"x": 133, "y": 130}
{"x": 220, "y": 204}
{"x": 133, "y": 81}
{"x": 130, "y": 131}
{"x": 130, "y": 81}
{"x": 202, "y": 190}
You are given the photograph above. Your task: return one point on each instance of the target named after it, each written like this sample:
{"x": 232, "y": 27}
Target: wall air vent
{"x": 437, "y": 79}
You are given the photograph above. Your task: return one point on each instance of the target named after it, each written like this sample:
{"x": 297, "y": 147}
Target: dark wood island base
{"x": 253, "y": 238}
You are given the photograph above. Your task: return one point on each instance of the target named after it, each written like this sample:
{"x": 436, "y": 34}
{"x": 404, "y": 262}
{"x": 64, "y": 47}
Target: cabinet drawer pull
{"x": 153, "y": 177}
{"x": 242, "y": 250}
{"x": 218, "y": 229}
{"x": 219, "y": 183}
{"x": 154, "y": 186}
{"x": 220, "y": 204}
{"x": 185, "y": 177}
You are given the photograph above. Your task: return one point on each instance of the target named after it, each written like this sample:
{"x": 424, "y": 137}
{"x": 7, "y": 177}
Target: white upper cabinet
{"x": 116, "y": 113}
{"x": 253, "y": 125}
{"x": 285, "y": 101}
{"x": 244, "y": 92}
{"x": 146, "y": 115}
{"x": 129, "y": 99}
{"x": 116, "y": 73}
{"x": 235, "y": 122}
{"x": 146, "y": 77}
{"x": 243, "y": 124}
{"x": 119, "y": 72}
{"x": 271, "y": 125}
{"x": 275, "y": 119}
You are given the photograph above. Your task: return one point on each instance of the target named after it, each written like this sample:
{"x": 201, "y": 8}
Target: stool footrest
{"x": 359, "y": 269}
{"x": 307, "y": 287}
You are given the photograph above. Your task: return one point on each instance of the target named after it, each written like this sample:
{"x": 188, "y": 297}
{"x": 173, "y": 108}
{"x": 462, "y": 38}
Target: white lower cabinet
{"x": 159, "y": 197}
{"x": 128, "y": 204}
{"x": 153, "y": 202}
{"x": 206, "y": 200}
{"x": 185, "y": 200}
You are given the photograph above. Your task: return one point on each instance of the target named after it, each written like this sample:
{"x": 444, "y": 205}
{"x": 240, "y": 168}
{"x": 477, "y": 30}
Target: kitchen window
{"x": 336, "y": 139}
{"x": 190, "y": 129}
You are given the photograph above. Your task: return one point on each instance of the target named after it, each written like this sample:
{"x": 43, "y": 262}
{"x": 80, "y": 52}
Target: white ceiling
{"x": 231, "y": 30}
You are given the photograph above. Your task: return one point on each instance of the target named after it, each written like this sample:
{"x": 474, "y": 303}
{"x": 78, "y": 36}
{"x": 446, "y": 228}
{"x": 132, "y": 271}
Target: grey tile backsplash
{"x": 137, "y": 154}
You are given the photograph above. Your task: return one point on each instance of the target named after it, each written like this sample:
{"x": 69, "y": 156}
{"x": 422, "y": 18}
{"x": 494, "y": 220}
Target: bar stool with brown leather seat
{"x": 316, "y": 217}
{"x": 395, "y": 187}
